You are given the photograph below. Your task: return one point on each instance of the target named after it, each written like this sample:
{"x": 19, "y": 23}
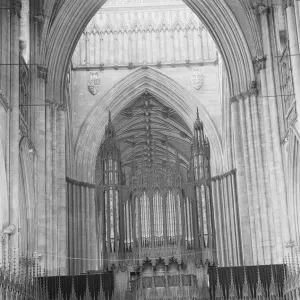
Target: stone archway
{"x": 64, "y": 29}
{"x": 141, "y": 80}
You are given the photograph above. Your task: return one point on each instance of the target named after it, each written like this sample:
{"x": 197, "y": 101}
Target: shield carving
{"x": 197, "y": 79}
{"x": 94, "y": 83}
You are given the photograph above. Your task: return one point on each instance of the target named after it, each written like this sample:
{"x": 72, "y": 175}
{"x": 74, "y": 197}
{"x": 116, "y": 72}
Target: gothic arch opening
{"x": 116, "y": 99}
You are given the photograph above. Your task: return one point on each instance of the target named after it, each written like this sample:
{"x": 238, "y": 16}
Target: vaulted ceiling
{"x": 149, "y": 131}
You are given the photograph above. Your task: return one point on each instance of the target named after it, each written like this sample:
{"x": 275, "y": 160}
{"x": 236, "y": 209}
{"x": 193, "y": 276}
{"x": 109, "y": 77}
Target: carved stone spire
{"x": 260, "y": 292}
{"x": 232, "y": 288}
{"x": 273, "y": 293}
{"x": 246, "y": 289}
{"x": 73, "y": 293}
{"x": 59, "y": 293}
{"x": 219, "y": 292}
{"x": 87, "y": 294}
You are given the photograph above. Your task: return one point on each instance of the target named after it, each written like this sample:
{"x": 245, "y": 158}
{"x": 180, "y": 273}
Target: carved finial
{"x": 273, "y": 290}
{"x": 219, "y": 292}
{"x": 87, "y": 294}
{"x": 101, "y": 294}
{"x": 246, "y": 291}
{"x": 232, "y": 289}
{"x": 59, "y": 293}
{"x": 259, "y": 287}
{"x": 73, "y": 293}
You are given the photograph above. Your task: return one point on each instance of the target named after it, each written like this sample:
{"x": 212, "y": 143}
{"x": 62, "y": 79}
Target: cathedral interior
{"x": 149, "y": 149}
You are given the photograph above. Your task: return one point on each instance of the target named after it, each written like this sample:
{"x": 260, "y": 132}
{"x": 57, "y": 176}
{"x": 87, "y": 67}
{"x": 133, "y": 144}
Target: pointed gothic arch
{"x": 132, "y": 86}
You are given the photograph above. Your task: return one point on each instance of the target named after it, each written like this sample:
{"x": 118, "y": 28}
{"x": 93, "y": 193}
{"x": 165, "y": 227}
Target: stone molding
{"x": 4, "y": 102}
{"x": 80, "y": 183}
{"x": 253, "y": 91}
{"x": 263, "y": 9}
{"x": 62, "y": 107}
{"x": 51, "y": 103}
{"x": 16, "y": 7}
{"x": 288, "y": 3}
{"x": 219, "y": 177}
{"x": 42, "y": 72}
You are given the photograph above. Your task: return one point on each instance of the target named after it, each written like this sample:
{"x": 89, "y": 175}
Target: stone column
{"x": 93, "y": 241}
{"x": 274, "y": 213}
{"x": 88, "y": 229}
{"x": 261, "y": 174}
{"x": 294, "y": 54}
{"x": 257, "y": 197}
{"x": 282, "y": 224}
{"x": 62, "y": 244}
{"x": 54, "y": 217}
{"x": 70, "y": 229}
{"x": 14, "y": 211}
{"x": 242, "y": 189}
{"x": 41, "y": 143}
{"x": 83, "y": 226}
{"x": 74, "y": 232}
{"x": 48, "y": 184}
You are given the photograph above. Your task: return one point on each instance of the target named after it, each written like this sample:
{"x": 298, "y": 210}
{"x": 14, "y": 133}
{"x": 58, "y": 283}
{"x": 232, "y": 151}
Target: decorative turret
{"x": 200, "y": 174}
{"x": 110, "y": 196}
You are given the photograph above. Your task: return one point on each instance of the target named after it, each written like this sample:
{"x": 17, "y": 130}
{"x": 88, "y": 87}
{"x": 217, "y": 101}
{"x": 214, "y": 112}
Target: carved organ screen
{"x": 159, "y": 208}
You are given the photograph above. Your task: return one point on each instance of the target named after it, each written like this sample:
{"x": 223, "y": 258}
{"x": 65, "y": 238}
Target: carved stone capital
{"x": 51, "y": 103}
{"x": 263, "y": 9}
{"x": 233, "y": 99}
{"x": 42, "y": 72}
{"x": 16, "y": 7}
{"x": 260, "y": 63}
{"x": 253, "y": 89}
{"x": 39, "y": 17}
{"x": 288, "y": 3}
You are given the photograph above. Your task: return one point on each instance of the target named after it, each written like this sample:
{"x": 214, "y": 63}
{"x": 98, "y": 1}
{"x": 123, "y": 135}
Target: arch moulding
{"x": 73, "y": 16}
